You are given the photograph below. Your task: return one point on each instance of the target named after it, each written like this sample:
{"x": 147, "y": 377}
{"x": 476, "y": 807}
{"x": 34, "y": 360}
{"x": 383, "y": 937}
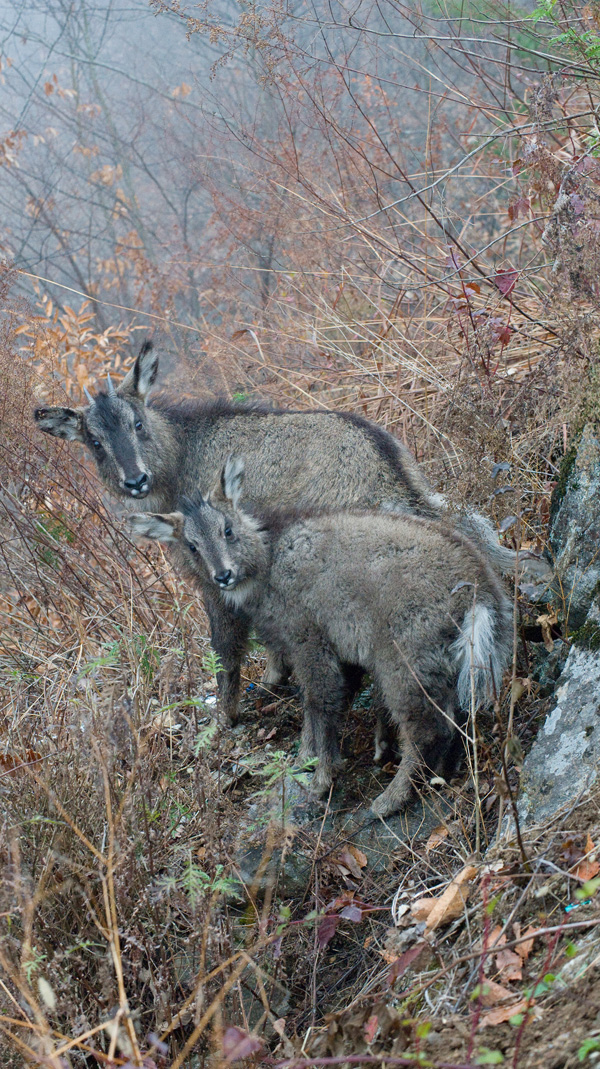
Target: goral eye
{"x": 138, "y": 425}
{"x": 96, "y": 444}
{"x": 228, "y": 532}
{"x": 192, "y": 548}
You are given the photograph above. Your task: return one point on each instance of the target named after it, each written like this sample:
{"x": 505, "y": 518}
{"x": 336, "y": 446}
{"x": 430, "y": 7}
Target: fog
{"x": 157, "y": 169}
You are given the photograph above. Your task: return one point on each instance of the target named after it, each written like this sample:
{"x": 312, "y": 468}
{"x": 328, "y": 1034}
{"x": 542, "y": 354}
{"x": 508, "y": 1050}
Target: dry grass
{"x": 126, "y": 934}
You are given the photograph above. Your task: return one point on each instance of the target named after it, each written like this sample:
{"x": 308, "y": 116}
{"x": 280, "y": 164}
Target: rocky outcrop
{"x": 564, "y": 760}
{"x": 575, "y": 529}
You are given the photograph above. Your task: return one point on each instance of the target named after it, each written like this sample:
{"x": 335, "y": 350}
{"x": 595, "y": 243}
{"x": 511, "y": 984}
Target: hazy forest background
{"x": 385, "y": 207}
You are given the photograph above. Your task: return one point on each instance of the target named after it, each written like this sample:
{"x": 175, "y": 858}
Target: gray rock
{"x": 564, "y": 760}
{"x": 565, "y": 757}
{"x": 575, "y": 529}
{"x": 266, "y": 856}
{"x": 379, "y": 839}
{"x": 547, "y": 666}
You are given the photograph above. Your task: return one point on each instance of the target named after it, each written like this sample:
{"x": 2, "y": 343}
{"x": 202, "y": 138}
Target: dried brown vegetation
{"x": 446, "y": 285}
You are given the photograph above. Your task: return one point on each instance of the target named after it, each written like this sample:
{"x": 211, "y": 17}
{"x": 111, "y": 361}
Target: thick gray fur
{"x": 417, "y": 607}
{"x": 151, "y": 453}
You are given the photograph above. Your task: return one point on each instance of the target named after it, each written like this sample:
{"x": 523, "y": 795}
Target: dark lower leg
{"x": 229, "y": 638}
{"x": 324, "y": 690}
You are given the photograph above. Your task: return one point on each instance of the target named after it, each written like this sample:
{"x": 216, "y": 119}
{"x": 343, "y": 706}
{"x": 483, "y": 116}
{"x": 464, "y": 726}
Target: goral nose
{"x": 137, "y": 486}
{"x": 223, "y": 578}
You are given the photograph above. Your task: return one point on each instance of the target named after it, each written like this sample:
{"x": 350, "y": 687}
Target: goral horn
{"x": 88, "y": 395}
{"x": 111, "y": 388}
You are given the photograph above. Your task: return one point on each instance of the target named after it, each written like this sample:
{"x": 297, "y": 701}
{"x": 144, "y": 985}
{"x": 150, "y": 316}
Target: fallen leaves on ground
{"x": 422, "y": 907}
{"x": 12, "y": 762}
{"x": 350, "y": 861}
{"x": 587, "y": 868}
{"x": 344, "y": 907}
{"x": 501, "y": 1014}
{"x": 447, "y": 907}
{"x": 239, "y": 1044}
{"x": 508, "y": 963}
{"x": 399, "y": 966}
{"x": 371, "y": 1028}
{"x": 493, "y": 993}
{"x": 437, "y": 836}
{"x": 503, "y": 1004}
{"x": 524, "y": 949}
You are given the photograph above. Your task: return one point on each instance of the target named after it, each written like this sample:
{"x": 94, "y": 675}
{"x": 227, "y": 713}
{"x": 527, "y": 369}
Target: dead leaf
{"x": 239, "y": 1044}
{"x": 517, "y": 690}
{"x": 571, "y": 853}
{"x": 505, "y": 281}
{"x": 501, "y": 788}
{"x": 494, "y": 993}
{"x": 11, "y": 763}
{"x": 514, "y": 750}
{"x": 452, "y": 903}
{"x": 524, "y": 949}
{"x": 270, "y": 708}
{"x": 437, "y": 836}
{"x": 502, "y": 1013}
{"x": 509, "y": 964}
{"x": 352, "y": 913}
{"x": 421, "y": 909}
{"x": 327, "y": 930}
{"x": 546, "y": 622}
{"x": 370, "y": 1028}
{"x": 496, "y": 937}
{"x": 164, "y": 721}
{"x": 361, "y": 859}
{"x": 587, "y": 868}
{"x": 262, "y": 734}
{"x": 352, "y": 860}
{"x": 399, "y": 966}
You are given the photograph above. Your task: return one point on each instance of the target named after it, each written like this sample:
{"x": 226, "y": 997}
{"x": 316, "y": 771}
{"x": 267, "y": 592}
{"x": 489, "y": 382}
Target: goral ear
{"x": 232, "y": 479}
{"x": 61, "y": 422}
{"x": 139, "y": 379}
{"x": 228, "y": 487}
{"x": 164, "y": 527}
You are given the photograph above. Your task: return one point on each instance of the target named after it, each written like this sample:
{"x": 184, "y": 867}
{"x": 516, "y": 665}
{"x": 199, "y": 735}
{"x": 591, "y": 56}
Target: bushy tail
{"x": 480, "y": 531}
{"x": 482, "y": 651}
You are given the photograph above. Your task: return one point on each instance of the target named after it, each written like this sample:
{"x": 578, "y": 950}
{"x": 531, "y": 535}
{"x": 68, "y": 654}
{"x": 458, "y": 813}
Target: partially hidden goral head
{"x": 217, "y": 540}
{"x": 116, "y": 426}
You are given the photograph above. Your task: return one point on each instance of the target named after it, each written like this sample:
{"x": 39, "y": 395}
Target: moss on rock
{"x": 564, "y": 473}
{"x": 587, "y": 636}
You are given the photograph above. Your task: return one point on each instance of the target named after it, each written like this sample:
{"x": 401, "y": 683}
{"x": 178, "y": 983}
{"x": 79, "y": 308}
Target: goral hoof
{"x": 320, "y": 786}
{"x": 384, "y": 806}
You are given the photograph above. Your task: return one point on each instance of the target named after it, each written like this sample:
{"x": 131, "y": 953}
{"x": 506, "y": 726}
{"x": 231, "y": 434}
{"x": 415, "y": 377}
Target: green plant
{"x": 205, "y": 737}
{"x": 148, "y": 655}
{"x": 109, "y": 658}
{"x": 211, "y": 663}
{"x": 587, "y": 1047}
{"x": 33, "y": 962}
{"x": 199, "y": 885}
{"x": 486, "y": 1056}
{"x": 588, "y": 889}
